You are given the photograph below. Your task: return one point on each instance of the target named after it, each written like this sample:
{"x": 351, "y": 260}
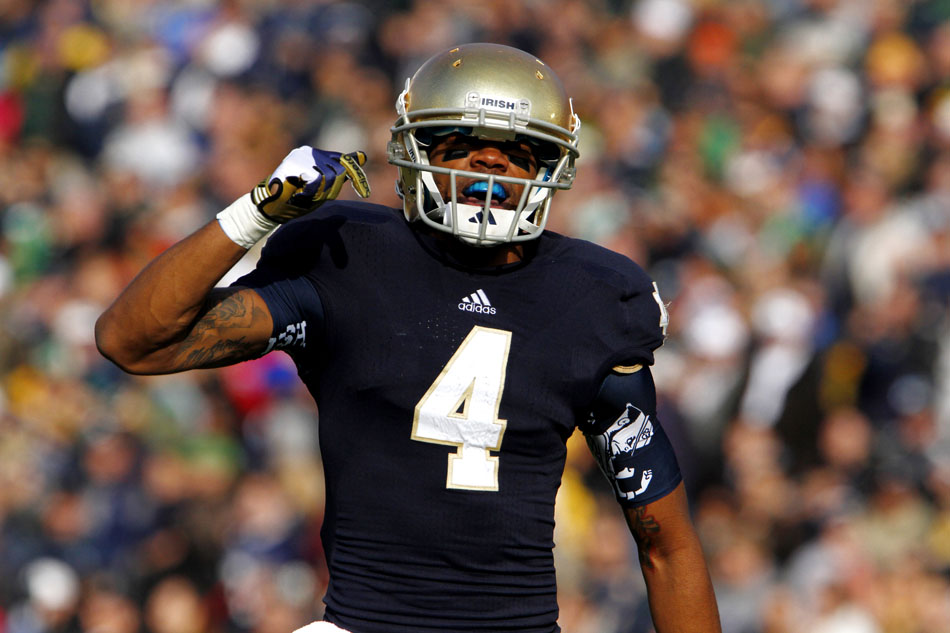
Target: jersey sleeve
{"x": 645, "y": 321}
{"x": 622, "y": 310}
{"x": 296, "y": 308}
{"x": 627, "y": 440}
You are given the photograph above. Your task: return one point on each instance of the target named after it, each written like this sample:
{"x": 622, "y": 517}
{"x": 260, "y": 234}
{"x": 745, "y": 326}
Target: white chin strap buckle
{"x": 471, "y": 217}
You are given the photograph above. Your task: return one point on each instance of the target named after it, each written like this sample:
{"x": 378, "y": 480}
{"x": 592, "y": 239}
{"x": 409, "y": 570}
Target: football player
{"x": 452, "y": 347}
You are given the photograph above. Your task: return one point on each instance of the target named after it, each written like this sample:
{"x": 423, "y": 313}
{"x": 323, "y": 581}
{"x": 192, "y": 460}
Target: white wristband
{"x": 243, "y": 223}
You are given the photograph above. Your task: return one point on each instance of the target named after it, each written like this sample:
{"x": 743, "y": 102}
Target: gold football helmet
{"x": 492, "y": 92}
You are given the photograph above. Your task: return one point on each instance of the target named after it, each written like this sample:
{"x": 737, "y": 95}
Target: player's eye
{"x": 522, "y": 162}
{"x": 455, "y": 153}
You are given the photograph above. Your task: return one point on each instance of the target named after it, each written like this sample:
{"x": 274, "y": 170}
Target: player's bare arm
{"x": 671, "y": 558}
{"x": 634, "y": 453}
{"x": 171, "y": 318}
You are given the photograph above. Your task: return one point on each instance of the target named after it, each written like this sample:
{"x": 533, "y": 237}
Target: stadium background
{"x": 782, "y": 168}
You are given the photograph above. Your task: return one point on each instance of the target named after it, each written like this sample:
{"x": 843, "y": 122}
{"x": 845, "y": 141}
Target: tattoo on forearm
{"x": 645, "y": 528}
{"x": 217, "y": 337}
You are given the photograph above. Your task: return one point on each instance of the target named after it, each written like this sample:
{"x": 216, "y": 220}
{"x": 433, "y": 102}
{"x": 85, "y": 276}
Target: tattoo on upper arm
{"x": 232, "y": 307}
{"x": 645, "y": 529}
{"x": 220, "y": 336}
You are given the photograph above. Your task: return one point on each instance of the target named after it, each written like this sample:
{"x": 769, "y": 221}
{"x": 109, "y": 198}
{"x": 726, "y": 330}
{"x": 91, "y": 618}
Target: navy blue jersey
{"x": 446, "y": 394}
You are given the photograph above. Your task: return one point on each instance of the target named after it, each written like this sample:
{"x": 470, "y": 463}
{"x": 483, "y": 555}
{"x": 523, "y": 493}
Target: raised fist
{"x": 307, "y": 178}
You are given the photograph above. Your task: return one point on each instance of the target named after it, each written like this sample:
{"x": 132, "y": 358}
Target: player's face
{"x": 503, "y": 158}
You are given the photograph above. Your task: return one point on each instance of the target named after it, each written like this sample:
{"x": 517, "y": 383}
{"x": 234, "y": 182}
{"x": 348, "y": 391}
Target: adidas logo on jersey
{"x": 477, "y": 302}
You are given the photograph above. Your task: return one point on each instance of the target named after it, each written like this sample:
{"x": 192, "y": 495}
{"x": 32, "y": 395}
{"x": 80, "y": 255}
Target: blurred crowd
{"x": 781, "y": 168}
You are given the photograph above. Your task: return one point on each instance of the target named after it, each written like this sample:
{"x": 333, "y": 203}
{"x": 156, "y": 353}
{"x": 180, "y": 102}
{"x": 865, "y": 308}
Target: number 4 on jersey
{"x": 461, "y": 409}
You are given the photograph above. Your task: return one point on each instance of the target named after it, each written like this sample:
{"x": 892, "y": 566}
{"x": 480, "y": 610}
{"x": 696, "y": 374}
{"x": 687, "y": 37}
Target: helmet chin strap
{"x": 499, "y": 222}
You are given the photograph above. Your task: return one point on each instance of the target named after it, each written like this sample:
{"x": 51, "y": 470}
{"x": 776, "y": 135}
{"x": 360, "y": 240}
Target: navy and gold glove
{"x": 307, "y": 178}
{"x": 304, "y": 180}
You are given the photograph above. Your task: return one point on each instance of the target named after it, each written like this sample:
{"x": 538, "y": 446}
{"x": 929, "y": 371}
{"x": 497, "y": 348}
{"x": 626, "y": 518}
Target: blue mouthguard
{"x": 482, "y": 187}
